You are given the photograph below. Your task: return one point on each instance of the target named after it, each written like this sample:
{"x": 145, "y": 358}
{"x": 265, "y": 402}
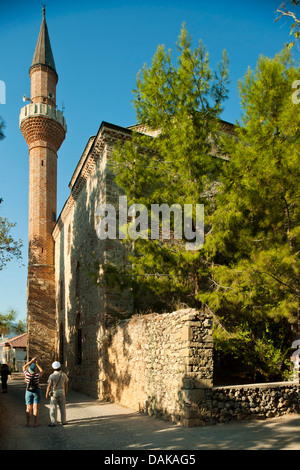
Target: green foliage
{"x": 2, "y": 127}
{"x": 8, "y": 324}
{"x": 255, "y": 241}
{"x": 9, "y": 248}
{"x": 248, "y": 271}
{"x": 182, "y": 104}
{"x": 284, "y": 12}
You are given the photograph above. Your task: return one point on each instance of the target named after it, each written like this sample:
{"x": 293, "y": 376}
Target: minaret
{"x": 44, "y": 129}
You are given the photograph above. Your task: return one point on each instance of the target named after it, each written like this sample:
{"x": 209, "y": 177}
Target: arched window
{"x": 61, "y": 295}
{"x": 78, "y": 356}
{"x": 61, "y": 343}
{"x": 77, "y": 280}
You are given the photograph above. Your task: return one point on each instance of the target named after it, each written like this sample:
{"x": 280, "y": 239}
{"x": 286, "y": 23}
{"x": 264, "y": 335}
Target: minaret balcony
{"x": 41, "y": 109}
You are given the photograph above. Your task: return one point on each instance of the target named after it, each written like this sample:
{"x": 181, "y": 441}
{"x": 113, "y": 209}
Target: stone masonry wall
{"x": 160, "y": 364}
{"x": 244, "y": 402}
{"x": 84, "y": 305}
{"x": 163, "y": 365}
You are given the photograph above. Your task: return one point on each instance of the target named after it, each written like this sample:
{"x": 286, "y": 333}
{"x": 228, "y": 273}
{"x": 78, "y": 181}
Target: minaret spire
{"x": 43, "y": 52}
{"x": 43, "y": 127}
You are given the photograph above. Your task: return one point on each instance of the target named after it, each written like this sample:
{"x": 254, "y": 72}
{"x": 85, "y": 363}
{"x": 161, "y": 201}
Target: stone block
{"x": 187, "y": 333}
{"x": 193, "y": 396}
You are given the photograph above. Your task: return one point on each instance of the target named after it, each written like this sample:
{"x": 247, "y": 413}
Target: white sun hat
{"x": 56, "y": 365}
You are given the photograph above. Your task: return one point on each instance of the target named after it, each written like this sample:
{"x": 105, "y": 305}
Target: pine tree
{"x": 182, "y": 104}
{"x": 254, "y": 245}
{"x": 8, "y": 324}
{"x": 9, "y": 248}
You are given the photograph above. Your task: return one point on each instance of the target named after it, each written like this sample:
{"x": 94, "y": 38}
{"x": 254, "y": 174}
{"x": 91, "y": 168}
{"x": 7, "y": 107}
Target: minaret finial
{"x": 43, "y": 53}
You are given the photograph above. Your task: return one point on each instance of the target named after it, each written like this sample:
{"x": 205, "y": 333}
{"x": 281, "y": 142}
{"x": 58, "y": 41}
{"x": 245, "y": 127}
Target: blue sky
{"x": 99, "y": 47}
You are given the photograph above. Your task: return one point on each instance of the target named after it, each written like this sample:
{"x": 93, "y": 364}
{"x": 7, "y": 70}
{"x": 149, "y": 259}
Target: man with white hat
{"x": 57, "y": 391}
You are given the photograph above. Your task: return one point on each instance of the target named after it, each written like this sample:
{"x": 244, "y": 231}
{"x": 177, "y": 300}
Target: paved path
{"x": 96, "y": 425}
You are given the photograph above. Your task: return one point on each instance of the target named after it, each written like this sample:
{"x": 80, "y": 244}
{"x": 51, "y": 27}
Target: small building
{"x": 13, "y": 351}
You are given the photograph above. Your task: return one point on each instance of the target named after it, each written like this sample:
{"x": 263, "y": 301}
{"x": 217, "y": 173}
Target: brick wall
{"x": 41, "y": 315}
{"x": 43, "y": 82}
{"x": 42, "y": 204}
{"x": 44, "y": 134}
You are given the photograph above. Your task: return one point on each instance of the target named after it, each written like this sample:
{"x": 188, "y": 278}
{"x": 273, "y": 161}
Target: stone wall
{"x": 158, "y": 364}
{"x": 244, "y": 402}
{"x": 163, "y": 365}
{"x": 86, "y": 308}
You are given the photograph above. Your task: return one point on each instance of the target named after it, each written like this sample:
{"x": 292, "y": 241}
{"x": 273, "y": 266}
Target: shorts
{"x": 33, "y": 397}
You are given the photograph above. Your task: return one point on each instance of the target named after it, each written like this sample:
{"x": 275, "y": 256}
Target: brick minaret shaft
{"x": 43, "y": 128}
